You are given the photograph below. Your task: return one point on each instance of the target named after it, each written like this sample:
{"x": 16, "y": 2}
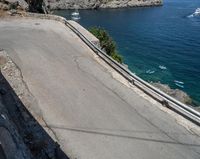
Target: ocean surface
{"x": 157, "y": 43}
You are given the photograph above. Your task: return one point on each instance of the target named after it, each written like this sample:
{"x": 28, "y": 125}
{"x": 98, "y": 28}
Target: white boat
{"x": 196, "y": 13}
{"x": 75, "y": 15}
{"x": 162, "y": 67}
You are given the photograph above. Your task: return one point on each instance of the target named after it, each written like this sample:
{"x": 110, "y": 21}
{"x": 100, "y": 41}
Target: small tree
{"x": 106, "y": 43}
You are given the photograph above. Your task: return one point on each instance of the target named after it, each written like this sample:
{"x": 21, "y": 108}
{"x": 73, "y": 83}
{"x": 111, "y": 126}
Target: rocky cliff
{"x": 23, "y": 5}
{"x": 43, "y": 6}
{"x": 176, "y": 93}
{"x": 94, "y": 4}
{"x": 13, "y": 4}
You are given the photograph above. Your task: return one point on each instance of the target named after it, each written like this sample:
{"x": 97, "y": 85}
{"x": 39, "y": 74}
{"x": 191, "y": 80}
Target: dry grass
{"x": 3, "y": 13}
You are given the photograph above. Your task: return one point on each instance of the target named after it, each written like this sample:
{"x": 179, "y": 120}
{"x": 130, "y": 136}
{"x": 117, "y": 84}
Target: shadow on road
{"x": 23, "y": 135}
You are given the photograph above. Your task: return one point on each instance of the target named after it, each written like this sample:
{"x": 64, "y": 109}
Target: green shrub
{"x": 106, "y": 43}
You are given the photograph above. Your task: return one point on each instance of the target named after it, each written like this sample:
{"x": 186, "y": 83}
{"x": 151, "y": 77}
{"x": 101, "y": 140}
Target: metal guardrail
{"x": 160, "y": 96}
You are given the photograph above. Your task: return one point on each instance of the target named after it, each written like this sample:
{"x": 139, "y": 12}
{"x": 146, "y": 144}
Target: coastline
{"x": 95, "y": 4}
{"x": 178, "y": 94}
{"x": 178, "y": 67}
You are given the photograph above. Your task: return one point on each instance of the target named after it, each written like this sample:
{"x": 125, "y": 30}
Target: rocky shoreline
{"x": 95, "y": 4}
{"x": 45, "y": 6}
{"x": 177, "y": 94}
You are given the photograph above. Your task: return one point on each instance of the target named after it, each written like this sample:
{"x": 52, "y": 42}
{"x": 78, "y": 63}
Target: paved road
{"x": 93, "y": 115}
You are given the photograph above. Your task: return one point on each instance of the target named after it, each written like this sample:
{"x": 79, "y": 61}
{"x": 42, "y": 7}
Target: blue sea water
{"x": 150, "y": 37}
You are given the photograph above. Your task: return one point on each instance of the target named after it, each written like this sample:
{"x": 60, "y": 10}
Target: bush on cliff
{"x": 35, "y": 5}
{"x": 106, "y": 43}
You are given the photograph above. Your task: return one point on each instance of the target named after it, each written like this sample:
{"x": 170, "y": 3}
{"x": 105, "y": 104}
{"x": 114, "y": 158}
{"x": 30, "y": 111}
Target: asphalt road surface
{"x": 92, "y": 115}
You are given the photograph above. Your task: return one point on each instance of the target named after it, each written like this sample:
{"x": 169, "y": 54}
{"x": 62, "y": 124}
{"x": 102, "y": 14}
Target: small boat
{"x": 196, "y": 13}
{"x": 75, "y": 15}
{"x": 179, "y": 82}
{"x": 162, "y": 67}
{"x": 179, "y": 85}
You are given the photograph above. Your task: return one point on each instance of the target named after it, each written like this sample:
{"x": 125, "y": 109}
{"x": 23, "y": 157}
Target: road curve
{"x": 92, "y": 115}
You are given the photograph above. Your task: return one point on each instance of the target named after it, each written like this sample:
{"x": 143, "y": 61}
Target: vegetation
{"x": 35, "y": 5}
{"x": 106, "y": 43}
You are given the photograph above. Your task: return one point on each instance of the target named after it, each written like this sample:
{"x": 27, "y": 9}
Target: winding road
{"x": 91, "y": 114}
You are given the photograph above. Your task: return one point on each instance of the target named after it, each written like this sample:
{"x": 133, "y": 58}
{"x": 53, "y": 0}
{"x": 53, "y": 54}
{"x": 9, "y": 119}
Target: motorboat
{"x": 162, "y": 67}
{"x": 196, "y": 13}
{"x": 75, "y": 15}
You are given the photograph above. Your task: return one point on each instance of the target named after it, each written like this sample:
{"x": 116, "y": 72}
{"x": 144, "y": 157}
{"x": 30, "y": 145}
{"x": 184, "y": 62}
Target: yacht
{"x": 196, "y": 13}
{"x": 162, "y": 67}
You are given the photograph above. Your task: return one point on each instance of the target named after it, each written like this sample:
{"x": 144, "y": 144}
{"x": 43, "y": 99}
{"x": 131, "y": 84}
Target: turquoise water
{"x": 152, "y": 37}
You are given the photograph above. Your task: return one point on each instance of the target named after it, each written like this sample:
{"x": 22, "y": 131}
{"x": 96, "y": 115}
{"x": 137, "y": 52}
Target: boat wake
{"x": 195, "y": 14}
{"x": 179, "y": 83}
{"x": 150, "y": 71}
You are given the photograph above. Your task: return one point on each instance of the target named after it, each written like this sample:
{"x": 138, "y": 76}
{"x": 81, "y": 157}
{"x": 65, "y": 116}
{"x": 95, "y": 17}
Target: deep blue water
{"x": 149, "y": 37}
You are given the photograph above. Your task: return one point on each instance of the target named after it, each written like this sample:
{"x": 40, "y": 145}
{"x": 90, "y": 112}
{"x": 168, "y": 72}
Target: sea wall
{"x": 94, "y": 4}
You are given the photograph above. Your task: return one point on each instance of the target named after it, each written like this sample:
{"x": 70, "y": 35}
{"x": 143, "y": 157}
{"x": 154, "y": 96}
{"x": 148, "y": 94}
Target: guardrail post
{"x": 133, "y": 82}
{"x": 165, "y": 103}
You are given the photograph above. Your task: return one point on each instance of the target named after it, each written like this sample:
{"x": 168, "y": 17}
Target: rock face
{"x": 13, "y": 4}
{"x": 43, "y": 6}
{"x": 37, "y": 6}
{"x": 176, "y": 93}
{"x": 93, "y": 4}
{"x": 21, "y": 135}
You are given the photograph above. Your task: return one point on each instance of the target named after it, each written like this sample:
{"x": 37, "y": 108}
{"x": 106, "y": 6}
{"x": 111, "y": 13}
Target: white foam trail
{"x": 179, "y": 85}
{"x": 179, "y": 82}
{"x": 150, "y": 71}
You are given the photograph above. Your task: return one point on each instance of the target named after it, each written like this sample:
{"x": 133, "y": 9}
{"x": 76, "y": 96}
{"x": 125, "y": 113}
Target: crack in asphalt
{"x": 51, "y": 129}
